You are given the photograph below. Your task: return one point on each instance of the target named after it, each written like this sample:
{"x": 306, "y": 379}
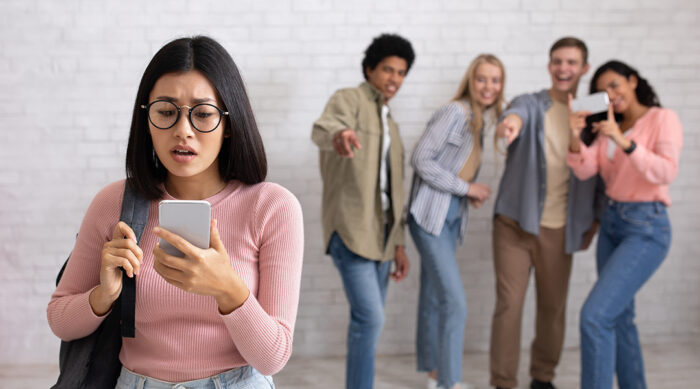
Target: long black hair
{"x": 242, "y": 154}
{"x": 645, "y": 93}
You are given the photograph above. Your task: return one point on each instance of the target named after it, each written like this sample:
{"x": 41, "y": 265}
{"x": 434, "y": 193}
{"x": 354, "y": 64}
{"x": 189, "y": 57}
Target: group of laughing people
{"x": 556, "y": 192}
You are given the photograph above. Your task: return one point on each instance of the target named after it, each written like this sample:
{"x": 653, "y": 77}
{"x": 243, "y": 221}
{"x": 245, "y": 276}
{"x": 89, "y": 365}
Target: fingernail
{"x": 156, "y": 230}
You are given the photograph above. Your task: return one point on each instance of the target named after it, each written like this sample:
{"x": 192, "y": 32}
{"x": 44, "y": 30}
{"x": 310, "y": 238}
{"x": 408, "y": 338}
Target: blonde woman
{"x": 446, "y": 161}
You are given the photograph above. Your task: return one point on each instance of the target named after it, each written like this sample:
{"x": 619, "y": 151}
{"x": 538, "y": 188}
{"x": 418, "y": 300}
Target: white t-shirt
{"x": 384, "y": 166}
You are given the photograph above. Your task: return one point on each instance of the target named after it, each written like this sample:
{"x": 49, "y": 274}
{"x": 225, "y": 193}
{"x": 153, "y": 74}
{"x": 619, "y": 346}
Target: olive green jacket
{"x": 351, "y": 193}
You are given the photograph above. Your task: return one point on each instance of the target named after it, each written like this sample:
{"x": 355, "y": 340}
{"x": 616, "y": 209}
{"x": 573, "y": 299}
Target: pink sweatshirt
{"x": 181, "y": 336}
{"x": 645, "y": 174}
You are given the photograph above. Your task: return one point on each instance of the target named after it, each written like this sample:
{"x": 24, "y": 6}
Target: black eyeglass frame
{"x": 147, "y": 107}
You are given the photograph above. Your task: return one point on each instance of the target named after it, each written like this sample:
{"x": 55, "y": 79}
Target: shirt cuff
{"x": 462, "y": 187}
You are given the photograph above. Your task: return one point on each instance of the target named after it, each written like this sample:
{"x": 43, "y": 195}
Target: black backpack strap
{"x": 135, "y": 214}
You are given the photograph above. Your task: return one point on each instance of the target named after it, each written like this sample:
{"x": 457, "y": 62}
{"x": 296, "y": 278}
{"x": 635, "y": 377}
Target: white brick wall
{"x": 69, "y": 72}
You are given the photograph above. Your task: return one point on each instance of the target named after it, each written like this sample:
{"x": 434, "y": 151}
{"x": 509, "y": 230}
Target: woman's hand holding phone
{"x": 122, "y": 252}
{"x": 206, "y": 272}
{"x": 577, "y": 122}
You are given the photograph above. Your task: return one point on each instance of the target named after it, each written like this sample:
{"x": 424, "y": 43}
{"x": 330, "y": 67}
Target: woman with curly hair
{"x": 637, "y": 157}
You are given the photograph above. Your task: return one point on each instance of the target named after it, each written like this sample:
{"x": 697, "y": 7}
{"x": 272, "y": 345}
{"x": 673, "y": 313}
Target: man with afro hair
{"x": 361, "y": 161}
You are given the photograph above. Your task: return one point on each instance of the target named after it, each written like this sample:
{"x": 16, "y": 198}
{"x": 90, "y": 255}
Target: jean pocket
{"x": 642, "y": 214}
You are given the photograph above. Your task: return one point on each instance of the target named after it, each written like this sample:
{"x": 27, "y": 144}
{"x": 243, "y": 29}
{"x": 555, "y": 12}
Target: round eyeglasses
{"x": 204, "y": 117}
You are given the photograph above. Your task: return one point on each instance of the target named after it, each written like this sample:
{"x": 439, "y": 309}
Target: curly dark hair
{"x": 387, "y": 45}
{"x": 645, "y": 93}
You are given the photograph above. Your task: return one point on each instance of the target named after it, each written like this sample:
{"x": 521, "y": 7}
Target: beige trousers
{"x": 515, "y": 252}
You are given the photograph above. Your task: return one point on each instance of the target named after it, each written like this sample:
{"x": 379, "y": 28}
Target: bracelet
{"x": 630, "y": 149}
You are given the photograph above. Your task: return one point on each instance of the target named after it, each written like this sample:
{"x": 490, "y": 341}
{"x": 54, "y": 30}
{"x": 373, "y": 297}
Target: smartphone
{"x": 188, "y": 218}
{"x": 595, "y": 103}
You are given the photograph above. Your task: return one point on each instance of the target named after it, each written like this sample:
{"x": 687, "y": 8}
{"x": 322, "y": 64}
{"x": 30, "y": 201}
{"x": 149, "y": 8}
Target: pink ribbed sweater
{"x": 646, "y": 173}
{"x": 181, "y": 336}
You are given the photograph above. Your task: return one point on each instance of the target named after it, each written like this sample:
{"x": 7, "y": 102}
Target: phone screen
{"x": 597, "y": 102}
{"x": 188, "y": 218}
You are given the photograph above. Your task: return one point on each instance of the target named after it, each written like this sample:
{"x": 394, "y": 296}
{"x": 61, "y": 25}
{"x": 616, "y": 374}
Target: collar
{"x": 545, "y": 99}
{"x": 372, "y": 92}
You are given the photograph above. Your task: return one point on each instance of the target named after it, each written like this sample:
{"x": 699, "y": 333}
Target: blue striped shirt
{"x": 437, "y": 159}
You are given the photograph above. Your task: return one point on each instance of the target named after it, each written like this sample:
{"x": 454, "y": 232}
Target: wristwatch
{"x": 630, "y": 149}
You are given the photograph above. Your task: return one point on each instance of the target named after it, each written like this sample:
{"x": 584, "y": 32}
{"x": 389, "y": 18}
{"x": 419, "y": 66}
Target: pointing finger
{"x": 346, "y": 145}
{"x": 356, "y": 142}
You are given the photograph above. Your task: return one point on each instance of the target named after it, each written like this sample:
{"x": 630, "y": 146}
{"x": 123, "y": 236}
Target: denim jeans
{"x": 365, "y": 283}
{"x": 244, "y": 377}
{"x": 634, "y": 240}
{"x": 442, "y": 306}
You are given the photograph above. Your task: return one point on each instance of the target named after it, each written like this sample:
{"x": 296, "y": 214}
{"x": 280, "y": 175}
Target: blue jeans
{"x": 365, "y": 283}
{"x": 634, "y": 240}
{"x": 244, "y": 377}
{"x": 442, "y": 306}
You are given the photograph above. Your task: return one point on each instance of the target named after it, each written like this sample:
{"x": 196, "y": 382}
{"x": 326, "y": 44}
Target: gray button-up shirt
{"x": 523, "y": 184}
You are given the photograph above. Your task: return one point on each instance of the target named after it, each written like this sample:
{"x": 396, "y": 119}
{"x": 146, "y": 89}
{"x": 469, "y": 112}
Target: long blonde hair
{"x": 466, "y": 91}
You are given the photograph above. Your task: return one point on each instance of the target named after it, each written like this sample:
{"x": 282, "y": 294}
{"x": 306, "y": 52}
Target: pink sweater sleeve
{"x": 69, "y": 313}
{"x": 262, "y": 328}
{"x": 585, "y": 162}
{"x": 659, "y": 165}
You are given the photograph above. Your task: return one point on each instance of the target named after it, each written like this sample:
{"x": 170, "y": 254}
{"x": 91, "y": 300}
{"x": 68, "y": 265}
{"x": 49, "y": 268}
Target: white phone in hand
{"x": 595, "y": 103}
{"x": 188, "y": 218}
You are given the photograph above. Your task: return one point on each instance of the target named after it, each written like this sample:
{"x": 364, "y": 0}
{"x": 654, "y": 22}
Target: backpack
{"x": 93, "y": 361}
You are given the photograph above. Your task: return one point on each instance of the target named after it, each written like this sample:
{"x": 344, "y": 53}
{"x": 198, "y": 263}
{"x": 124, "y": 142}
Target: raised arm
{"x": 339, "y": 114}
{"x": 514, "y": 117}
{"x": 580, "y": 158}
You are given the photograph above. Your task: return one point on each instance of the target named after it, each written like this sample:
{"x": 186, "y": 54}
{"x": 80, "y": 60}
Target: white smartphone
{"x": 188, "y": 218}
{"x": 597, "y": 102}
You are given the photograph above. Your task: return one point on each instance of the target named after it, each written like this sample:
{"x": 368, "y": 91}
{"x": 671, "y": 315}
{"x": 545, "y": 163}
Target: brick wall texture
{"x": 69, "y": 71}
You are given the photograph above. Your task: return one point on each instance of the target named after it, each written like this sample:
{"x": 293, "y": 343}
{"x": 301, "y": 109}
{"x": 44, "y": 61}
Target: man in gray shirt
{"x": 542, "y": 215}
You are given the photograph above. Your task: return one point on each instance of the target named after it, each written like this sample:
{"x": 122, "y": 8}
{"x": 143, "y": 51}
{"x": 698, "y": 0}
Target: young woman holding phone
{"x": 637, "y": 157}
{"x": 221, "y": 317}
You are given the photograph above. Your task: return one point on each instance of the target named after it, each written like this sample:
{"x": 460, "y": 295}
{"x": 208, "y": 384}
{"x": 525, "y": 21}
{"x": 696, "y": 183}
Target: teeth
{"x": 183, "y": 152}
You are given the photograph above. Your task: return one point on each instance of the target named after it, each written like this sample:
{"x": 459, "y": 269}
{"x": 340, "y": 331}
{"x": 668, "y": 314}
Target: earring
{"x": 155, "y": 158}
